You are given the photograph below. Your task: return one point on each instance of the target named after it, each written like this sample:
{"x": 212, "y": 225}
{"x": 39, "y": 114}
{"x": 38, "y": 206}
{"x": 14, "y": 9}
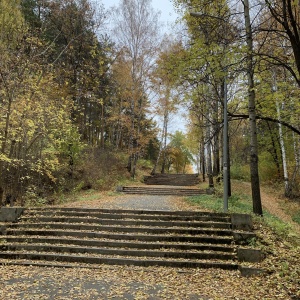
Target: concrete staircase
{"x": 90, "y": 237}
{"x": 162, "y": 191}
{"x": 172, "y": 179}
{"x": 166, "y": 184}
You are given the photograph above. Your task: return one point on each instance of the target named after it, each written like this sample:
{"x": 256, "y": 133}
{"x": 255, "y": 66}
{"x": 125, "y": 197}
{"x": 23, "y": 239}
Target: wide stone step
{"x": 126, "y": 222}
{"x": 118, "y": 252}
{"x": 180, "y": 263}
{"x": 125, "y": 211}
{"x": 131, "y": 215}
{"x": 172, "y": 179}
{"x": 161, "y": 191}
{"x": 124, "y": 229}
{"x": 123, "y": 236}
{"x": 119, "y": 244}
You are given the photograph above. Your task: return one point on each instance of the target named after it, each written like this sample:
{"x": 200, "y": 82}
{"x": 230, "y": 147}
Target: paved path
{"x": 147, "y": 202}
{"x": 127, "y": 201}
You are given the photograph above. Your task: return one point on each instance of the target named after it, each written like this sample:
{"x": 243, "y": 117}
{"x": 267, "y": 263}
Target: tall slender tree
{"x": 256, "y": 197}
{"x": 136, "y": 32}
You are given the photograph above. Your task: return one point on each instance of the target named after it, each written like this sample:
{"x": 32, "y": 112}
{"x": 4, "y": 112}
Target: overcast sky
{"x": 168, "y": 15}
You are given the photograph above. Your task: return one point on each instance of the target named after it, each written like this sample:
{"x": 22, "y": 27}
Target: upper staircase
{"x": 172, "y": 179}
{"x": 166, "y": 184}
{"x": 161, "y": 190}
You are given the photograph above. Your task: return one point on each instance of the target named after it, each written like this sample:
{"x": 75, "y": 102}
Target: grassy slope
{"x": 279, "y": 239}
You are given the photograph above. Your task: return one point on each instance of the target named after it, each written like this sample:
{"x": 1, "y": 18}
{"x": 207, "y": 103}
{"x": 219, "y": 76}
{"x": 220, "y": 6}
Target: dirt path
{"x": 270, "y": 201}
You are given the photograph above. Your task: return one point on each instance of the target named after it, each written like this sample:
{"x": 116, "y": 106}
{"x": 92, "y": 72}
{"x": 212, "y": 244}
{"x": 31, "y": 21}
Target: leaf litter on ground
{"x": 281, "y": 280}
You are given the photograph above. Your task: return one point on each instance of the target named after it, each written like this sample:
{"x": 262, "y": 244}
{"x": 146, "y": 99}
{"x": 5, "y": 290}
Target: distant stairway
{"x": 172, "y": 179}
{"x": 90, "y": 237}
{"x": 162, "y": 191}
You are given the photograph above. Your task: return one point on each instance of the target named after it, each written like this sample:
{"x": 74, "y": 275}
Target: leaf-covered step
{"x": 161, "y": 191}
{"x": 126, "y": 222}
{"x": 172, "y": 179}
{"x": 125, "y": 211}
{"x": 112, "y": 216}
{"x": 123, "y": 236}
{"x": 201, "y": 255}
{"x": 124, "y": 229}
{"x": 146, "y": 262}
{"x": 119, "y": 244}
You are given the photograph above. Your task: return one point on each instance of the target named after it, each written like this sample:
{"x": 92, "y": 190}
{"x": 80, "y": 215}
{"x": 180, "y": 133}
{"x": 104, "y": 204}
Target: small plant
{"x": 252, "y": 242}
{"x": 280, "y": 227}
{"x": 32, "y": 197}
{"x": 296, "y": 217}
{"x": 284, "y": 269}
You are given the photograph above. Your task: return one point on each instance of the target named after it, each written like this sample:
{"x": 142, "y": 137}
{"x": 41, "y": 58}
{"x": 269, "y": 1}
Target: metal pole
{"x": 225, "y": 148}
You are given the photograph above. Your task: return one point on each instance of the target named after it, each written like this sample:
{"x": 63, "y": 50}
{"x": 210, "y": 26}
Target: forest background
{"x": 87, "y": 108}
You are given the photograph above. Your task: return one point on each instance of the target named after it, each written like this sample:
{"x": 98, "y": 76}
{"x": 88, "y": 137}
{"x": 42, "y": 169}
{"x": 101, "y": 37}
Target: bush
{"x": 101, "y": 169}
{"x": 267, "y": 168}
{"x": 240, "y": 172}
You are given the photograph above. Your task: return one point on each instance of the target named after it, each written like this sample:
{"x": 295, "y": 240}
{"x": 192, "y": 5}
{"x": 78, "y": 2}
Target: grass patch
{"x": 236, "y": 203}
{"x": 88, "y": 195}
{"x": 240, "y": 203}
{"x": 277, "y": 225}
{"x": 296, "y": 217}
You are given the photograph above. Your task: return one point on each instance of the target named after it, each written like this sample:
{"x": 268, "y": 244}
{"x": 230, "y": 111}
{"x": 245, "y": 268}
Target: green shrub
{"x": 267, "y": 167}
{"x": 296, "y": 217}
{"x": 240, "y": 172}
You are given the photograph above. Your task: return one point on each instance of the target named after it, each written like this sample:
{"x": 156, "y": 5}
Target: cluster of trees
{"x": 67, "y": 88}
{"x": 248, "y": 54}
{"x": 53, "y": 77}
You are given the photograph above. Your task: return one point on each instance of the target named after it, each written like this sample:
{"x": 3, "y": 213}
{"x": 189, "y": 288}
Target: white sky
{"x": 168, "y": 17}
{"x": 168, "y": 14}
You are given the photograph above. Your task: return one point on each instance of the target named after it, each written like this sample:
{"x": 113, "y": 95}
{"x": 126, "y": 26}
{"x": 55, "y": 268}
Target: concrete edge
{"x": 119, "y": 189}
{"x": 241, "y": 222}
{"x": 250, "y": 255}
{"x": 249, "y": 271}
{"x": 243, "y": 237}
{"x": 10, "y": 214}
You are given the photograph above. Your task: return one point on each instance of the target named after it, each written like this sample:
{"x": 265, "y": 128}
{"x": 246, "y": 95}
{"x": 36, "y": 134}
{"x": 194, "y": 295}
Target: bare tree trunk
{"x": 209, "y": 166}
{"x": 209, "y": 151}
{"x": 164, "y": 146}
{"x": 216, "y": 146}
{"x": 296, "y": 150}
{"x": 203, "y": 165}
{"x": 256, "y": 197}
{"x": 102, "y": 127}
{"x": 228, "y": 168}
{"x": 202, "y": 158}
{"x": 163, "y": 142}
{"x": 283, "y": 153}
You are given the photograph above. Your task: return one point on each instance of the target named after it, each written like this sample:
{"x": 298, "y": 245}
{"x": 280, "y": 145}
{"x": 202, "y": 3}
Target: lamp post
{"x": 225, "y": 121}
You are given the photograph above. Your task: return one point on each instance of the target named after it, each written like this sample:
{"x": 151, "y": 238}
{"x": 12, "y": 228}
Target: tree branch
{"x": 244, "y": 116}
